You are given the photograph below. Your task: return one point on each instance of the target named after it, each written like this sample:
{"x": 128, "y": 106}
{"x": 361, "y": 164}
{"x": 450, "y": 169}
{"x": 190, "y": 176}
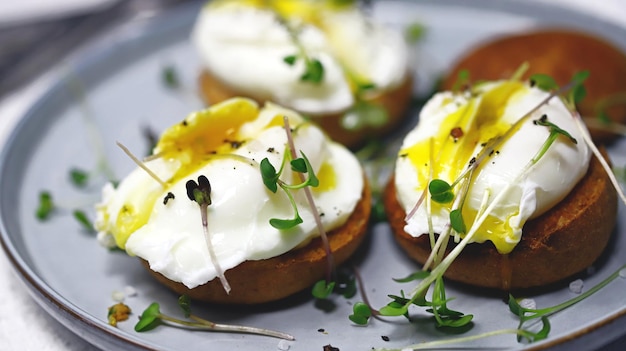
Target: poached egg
{"x": 226, "y": 143}
{"x": 245, "y": 44}
{"x": 453, "y": 129}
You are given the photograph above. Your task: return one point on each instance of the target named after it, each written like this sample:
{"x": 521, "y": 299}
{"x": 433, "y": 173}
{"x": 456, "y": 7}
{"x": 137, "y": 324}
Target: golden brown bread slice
{"x": 255, "y": 282}
{"x": 395, "y": 101}
{"x": 561, "y": 242}
{"x": 558, "y": 53}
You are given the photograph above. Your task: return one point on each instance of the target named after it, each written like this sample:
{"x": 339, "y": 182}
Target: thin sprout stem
{"x": 141, "y": 164}
{"x": 94, "y": 136}
{"x": 459, "y": 340}
{"x": 598, "y": 155}
{"x": 610, "y": 127}
{"x": 201, "y": 323}
{"x": 309, "y": 197}
{"x": 568, "y": 303}
{"x": 417, "y": 205}
{"x": 209, "y": 244}
{"x": 359, "y": 279}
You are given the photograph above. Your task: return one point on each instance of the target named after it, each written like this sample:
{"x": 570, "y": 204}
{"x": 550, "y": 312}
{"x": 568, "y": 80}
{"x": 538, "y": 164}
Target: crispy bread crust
{"x": 558, "y": 53}
{"x": 255, "y": 282}
{"x": 395, "y": 101}
{"x": 561, "y": 242}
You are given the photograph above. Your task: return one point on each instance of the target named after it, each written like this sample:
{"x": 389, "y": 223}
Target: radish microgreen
{"x": 200, "y": 193}
{"x": 152, "y": 317}
{"x": 169, "y": 76}
{"x": 313, "y": 68}
{"x": 79, "y": 177}
{"x": 46, "y": 206}
{"x": 300, "y": 166}
{"x": 272, "y": 181}
{"x": 440, "y": 191}
{"x": 81, "y": 217}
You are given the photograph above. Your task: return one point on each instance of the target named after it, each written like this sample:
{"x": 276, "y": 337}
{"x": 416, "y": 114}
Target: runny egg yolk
{"x": 190, "y": 145}
{"x": 448, "y": 153}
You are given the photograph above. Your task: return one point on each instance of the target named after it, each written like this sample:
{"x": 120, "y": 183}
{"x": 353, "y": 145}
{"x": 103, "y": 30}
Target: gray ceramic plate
{"x": 113, "y": 89}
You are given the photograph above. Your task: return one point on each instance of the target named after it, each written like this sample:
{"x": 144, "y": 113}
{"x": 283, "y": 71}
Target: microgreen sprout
{"x": 81, "y": 217}
{"x": 169, "y": 76}
{"x": 344, "y": 284}
{"x": 200, "y": 192}
{"x": 79, "y": 177}
{"x": 139, "y": 163}
{"x": 46, "y": 206}
{"x": 528, "y": 314}
{"x": 364, "y": 113}
{"x": 313, "y": 68}
{"x": 555, "y": 131}
{"x": 271, "y": 179}
{"x": 414, "y": 32}
{"x": 152, "y": 317}
{"x": 322, "y": 289}
{"x": 440, "y": 191}
{"x": 462, "y": 80}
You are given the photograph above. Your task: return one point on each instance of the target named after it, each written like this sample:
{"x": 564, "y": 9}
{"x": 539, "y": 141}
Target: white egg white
{"x": 172, "y": 239}
{"x": 545, "y": 184}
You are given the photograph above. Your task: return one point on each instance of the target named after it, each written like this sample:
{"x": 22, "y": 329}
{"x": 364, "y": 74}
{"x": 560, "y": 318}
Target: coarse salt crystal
{"x": 284, "y": 345}
{"x": 622, "y": 273}
{"x": 528, "y": 303}
{"x": 117, "y": 296}
{"x": 130, "y": 291}
{"x": 576, "y": 286}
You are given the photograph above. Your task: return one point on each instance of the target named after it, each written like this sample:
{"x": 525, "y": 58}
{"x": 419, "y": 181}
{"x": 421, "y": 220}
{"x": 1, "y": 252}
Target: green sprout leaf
{"x": 462, "y": 78}
{"x": 543, "y": 82}
{"x": 555, "y": 131}
{"x": 303, "y": 165}
{"x": 322, "y": 289}
{"x": 79, "y": 177}
{"x": 84, "y": 221}
{"x": 184, "y": 302}
{"x": 578, "y": 91}
{"x": 269, "y": 175}
{"x": 415, "y": 32}
{"x": 604, "y": 117}
{"x": 419, "y": 275}
{"x": 149, "y": 319}
{"x": 170, "y": 78}
{"x": 394, "y": 309}
{"x": 272, "y": 181}
{"x": 361, "y": 313}
{"x": 314, "y": 71}
{"x": 299, "y": 165}
{"x": 456, "y": 221}
{"x": 46, "y": 206}
{"x": 284, "y": 224}
{"x": 440, "y": 191}
{"x": 290, "y": 60}
{"x": 199, "y": 192}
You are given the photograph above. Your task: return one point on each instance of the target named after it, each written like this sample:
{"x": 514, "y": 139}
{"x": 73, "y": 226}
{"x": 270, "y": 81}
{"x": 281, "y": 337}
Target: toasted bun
{"x": 563, "y": 241}
{"x": 395, "y": 101}
{"x": 560, "y": 54}
{"x": 254, "y": 282}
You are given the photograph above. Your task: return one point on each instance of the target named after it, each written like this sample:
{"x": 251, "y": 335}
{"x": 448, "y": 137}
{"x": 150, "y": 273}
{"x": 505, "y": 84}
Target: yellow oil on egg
{"x": 189, "y": 145}
{"x": 448, "y": 153}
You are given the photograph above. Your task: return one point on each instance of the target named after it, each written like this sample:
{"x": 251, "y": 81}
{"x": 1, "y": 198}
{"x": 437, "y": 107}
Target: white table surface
{"x": 26, "y": 326}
